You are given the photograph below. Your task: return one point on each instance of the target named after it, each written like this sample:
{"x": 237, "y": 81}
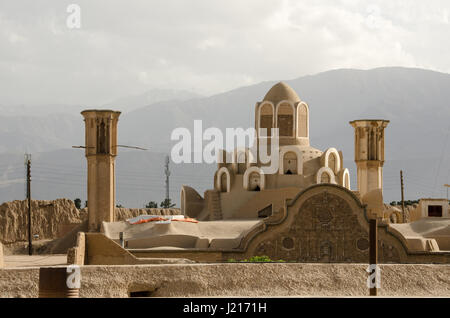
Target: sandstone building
{"x": 306, "y": 211}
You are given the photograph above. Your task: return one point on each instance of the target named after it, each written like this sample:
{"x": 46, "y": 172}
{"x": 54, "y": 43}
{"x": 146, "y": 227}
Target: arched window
{"x": 285, "y": 120}
{"x": 290, "y": 163}
{"x": 254, "y": 179}
{"x": 266, "y": 118}
{"x": 325, "y": 175}
{"x": 302, "y": 120}
{"x": 290, "y": 160}
{"x": 254, "y": 183}
{"x": 331, "y": 159}
{"x": 332, "y": 162}
{"x": 346, "y": 179}
{"x": 223, "y": 180}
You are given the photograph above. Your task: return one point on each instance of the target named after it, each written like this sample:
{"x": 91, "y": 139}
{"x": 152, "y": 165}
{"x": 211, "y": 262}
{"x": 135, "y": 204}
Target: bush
{"x": 256, "y": 259}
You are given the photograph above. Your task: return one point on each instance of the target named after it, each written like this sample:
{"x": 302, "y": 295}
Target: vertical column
{"x": 373, "y": 258}
{"x": 369, "y": 158}
{"x": 101, "y": 150}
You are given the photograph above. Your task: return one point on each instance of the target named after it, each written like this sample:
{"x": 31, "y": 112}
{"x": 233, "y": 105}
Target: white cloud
{"x": 211, "y": 43}
{"x": 206, "y": 46}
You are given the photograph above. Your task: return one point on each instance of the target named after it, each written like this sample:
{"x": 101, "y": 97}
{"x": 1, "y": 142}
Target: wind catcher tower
{"x": 101, "y": 152}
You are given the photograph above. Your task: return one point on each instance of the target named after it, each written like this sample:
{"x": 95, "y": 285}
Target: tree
{"x": 77, "y": 202}
{"x": 166, "y": 204}
{"x": 151, "y": 205}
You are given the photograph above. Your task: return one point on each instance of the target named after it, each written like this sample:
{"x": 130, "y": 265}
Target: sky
{"x": 205, "y": 46}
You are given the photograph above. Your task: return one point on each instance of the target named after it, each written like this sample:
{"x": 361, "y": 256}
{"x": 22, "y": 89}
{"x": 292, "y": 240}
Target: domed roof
{"x": 281, "y": 91}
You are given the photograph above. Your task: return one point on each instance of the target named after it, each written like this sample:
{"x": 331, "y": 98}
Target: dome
{"x": 281, "y": 91}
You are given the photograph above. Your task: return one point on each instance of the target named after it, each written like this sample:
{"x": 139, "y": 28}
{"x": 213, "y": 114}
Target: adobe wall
{"x": 241, "y": 280}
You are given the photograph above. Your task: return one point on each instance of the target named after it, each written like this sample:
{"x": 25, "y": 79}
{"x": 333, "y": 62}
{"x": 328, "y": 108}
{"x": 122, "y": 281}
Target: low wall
{"x": 241, "y": 280}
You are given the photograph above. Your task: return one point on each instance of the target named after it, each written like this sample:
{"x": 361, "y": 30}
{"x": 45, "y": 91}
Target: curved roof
{"x": 281, "y": 91}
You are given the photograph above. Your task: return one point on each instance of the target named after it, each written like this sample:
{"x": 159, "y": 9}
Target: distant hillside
{"x": 415, "y": 101}
{"x": 150, "y": 97}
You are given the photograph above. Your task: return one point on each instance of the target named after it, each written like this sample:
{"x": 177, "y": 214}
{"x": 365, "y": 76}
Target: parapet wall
{"x": 241, "y": 280}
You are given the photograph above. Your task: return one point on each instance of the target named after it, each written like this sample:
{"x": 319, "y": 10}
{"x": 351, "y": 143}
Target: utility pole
{"x": 167, "y": 172}
{"x": 28, "y": 163}
{"x": 403, "y": 197}
{"x": 373, "y": 258}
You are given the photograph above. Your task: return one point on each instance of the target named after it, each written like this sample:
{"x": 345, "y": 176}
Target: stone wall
{"x": 241, "y": 280}
{"x": 53, "y": 219}
{"x": 47, "y": 219}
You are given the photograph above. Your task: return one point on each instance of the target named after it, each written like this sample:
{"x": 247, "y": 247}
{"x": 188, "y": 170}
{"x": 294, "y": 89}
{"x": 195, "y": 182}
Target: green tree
{"x": 167, "y": 203}
{"x": 77, "y": 202}
{"x": 151, "y": 205}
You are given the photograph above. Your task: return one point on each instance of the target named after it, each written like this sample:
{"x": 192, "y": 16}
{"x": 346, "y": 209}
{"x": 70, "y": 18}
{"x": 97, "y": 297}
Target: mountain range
{"x": 416, "y": 101}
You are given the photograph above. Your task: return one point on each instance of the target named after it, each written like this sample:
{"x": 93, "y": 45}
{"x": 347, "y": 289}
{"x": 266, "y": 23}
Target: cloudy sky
{"x": 207, "y": 46}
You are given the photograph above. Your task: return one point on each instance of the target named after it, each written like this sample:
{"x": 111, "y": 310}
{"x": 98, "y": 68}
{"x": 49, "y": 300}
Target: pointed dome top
{"x": 281, "y": 91}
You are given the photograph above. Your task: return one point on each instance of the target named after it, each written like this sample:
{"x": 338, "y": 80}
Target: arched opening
{"x": 347, "y": 180}
{"x": 290, "y": 163}
{"x": 266, "y": 118}
{"x": 332, "y": 162}
{"x": 325, "y": 177}
{"x": 285, "y": 120}
{"x": 302, "y": 121}
{"x": 102, "y": 138}
{"x": 254, "y": 183}
{"x": 223, "y": 182}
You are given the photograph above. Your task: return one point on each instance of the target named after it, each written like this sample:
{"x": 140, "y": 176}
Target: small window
{"x": 325, "y": 178}
{"x": 285, "y": 120}
{"x": 254, "y": 181}
{"x": 332, "y": 162}
{"x": 223, "y": 182}
{"x": 435, "y": 210}
{"x": 266, "y": 118}
{"x": 302, "y": 121}
{"x": 290, "y": 163}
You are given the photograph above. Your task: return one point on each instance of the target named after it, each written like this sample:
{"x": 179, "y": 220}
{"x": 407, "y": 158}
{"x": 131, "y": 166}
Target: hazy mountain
{"x": 415, "y": 101}
{"x": 150, "y": 97}
{"x": 25, "y": 128}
